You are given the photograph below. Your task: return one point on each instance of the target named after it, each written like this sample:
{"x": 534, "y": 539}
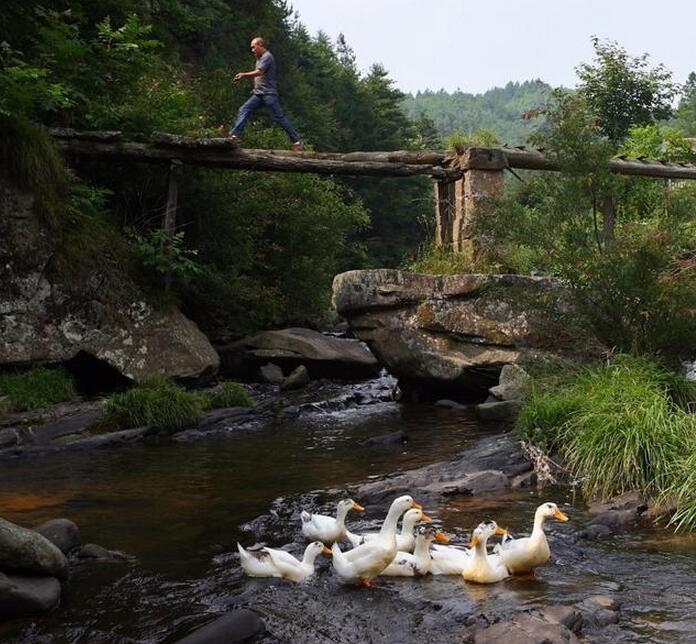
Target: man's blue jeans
{"x": 271, "y": 102}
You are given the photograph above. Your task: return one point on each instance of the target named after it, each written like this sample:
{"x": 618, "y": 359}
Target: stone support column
{"x": 483, "y": 180}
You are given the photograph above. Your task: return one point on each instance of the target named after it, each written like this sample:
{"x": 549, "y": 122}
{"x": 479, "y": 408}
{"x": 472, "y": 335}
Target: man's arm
{"x": 252, "y": 74}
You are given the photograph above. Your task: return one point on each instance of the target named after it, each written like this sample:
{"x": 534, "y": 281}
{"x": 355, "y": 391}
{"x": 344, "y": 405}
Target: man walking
{"x": 265, "y": 93}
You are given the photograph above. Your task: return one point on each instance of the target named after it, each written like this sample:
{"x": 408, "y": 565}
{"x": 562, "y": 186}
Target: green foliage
{"x": 686, "y": 111}
{"x": 624, "y": 246}
{"x": 270, "y": 245}
{"x": 657, "y": 142}
{"x": 509, "y": 112}
{"x": 616, "y": 426}
{"x": 459, "y": 141}
{"x": 35, "y": 389}
{"x": 440, "y": 261}
{"x": 230, "y": 394}
{"x": 29, "y": 160}
{"x": 156, "y": 402}
{"x": 162, "y": 254}
{"x": 623, "y": 91}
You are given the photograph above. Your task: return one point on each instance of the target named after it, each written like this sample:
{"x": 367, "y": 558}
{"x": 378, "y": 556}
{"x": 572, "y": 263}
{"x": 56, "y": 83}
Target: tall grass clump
{"x": 680, "y": 494}
{"x": 158, "y": 402}
{"x": 618, "y": 427}
{"x": 229, "y": 394}
{"x": 35, "y": 389}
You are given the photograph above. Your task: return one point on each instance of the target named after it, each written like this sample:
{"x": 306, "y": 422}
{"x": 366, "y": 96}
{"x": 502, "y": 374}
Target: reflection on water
{"x": 178, "y": 508}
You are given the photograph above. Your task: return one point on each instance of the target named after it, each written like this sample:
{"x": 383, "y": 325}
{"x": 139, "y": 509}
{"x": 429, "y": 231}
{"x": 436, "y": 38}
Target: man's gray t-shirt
{"x": 266, "y": 83}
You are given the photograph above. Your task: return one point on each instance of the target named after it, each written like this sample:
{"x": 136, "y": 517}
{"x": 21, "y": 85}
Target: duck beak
{"x": 474, "y": 541}
{"x": 326, "y": 551}
{"x": 501, "y": 532}
{"x": 442, "y": 537}
{"x": 560, "y": 516}
{"x": 426, "y": 518}
{"x": 418, "y": 506}
{"x": 357, "y": 506}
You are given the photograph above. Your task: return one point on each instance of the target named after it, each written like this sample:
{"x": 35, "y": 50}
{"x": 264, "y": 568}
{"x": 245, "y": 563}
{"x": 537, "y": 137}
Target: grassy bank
{"x": 622, "y": 426}
{"x": 160, "y": 402}
{"x": 34, "y": 389}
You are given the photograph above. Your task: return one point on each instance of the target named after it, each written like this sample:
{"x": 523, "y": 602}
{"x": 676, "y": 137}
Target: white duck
{"x": 524, "y": 554}
{"x": 449, "y": 560}
{"x": 405, "y": 542}
{"x": 319, "y": 527}
{"x": 481, "y": 567}
{"x": 372, "y": 557}
{"x": 268, "y": 562}
{"x": 406, "y": 564}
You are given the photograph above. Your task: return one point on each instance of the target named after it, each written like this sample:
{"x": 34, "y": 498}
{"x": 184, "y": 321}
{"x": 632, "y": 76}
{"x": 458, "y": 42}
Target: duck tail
{"x": 305, "y": 516}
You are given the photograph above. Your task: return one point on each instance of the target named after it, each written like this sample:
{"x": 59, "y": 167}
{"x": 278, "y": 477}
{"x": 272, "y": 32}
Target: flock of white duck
{"x": 405, "y": 554}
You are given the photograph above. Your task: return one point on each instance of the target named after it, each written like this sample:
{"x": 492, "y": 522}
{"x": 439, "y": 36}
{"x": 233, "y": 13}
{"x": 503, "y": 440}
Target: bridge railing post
{"x": 169, "y": 224}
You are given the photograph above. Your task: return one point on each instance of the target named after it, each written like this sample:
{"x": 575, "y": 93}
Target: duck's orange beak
{"x": 560, "y": 516}
{"x": 442, "y": 537}
{"x": 326, "y": 551}
{"x": 418, "y": 506}
{"x": 357, "y": 506}
{"x": 426, "y": 518}
{"x": 501, "y": 532}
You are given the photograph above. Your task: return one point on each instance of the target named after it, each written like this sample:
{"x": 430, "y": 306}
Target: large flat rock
{"x": 322, "y": 355}
{"x": 456, "y": 332}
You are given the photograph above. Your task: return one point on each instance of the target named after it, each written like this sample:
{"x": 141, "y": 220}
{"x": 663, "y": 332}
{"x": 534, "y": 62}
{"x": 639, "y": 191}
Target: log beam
{"x": 440, "y": 164}
{"x": 222, "y": 155}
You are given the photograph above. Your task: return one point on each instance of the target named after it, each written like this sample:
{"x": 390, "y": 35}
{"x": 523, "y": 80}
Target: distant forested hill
{"x": 499, "y": 110}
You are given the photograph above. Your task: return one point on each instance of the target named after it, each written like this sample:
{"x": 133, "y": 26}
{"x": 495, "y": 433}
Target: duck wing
{"x": 287, "y": 565}
{"x": 257, "y": 563}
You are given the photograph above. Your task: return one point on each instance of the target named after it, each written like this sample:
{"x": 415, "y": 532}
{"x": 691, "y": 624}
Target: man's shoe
{"x": 233, "y": 137}
{"x": 297, "y": 146}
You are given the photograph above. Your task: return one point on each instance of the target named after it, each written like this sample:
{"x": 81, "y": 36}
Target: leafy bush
{"x": 35, "y": 389}
{"x": 229, "y": 394}
{"x": 156, "y": 401}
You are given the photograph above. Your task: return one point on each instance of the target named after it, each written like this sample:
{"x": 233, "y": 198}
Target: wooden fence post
{"x": 175, "y": 169}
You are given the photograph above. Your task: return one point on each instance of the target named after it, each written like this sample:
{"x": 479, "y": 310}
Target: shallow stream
{"x": 178, "y": 510}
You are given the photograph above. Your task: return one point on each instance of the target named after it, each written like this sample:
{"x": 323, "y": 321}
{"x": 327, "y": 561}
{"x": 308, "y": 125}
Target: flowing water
{"x": 177, "y": 509}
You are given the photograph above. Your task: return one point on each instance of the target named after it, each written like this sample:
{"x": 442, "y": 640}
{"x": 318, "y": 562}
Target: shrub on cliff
{"x": 34, "y": 389}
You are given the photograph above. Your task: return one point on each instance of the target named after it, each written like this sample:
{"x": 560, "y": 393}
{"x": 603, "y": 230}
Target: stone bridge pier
{"x": 459, "y": 203}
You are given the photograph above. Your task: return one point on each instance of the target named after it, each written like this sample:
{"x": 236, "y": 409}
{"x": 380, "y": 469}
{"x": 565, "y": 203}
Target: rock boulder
{"x": 455, "y": 332}
{"x": 27, "y": 552}
{"x": 50, "y": 312}
{"x": 325, "y": 356}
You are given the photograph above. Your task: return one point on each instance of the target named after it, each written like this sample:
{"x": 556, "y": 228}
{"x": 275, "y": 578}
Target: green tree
{"x": 686, "y": 112}
{"x": 623, "y": 90}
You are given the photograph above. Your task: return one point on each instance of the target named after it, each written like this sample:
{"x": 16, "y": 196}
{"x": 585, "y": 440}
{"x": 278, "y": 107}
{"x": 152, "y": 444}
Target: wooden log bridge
{"x": 464, "y": 181}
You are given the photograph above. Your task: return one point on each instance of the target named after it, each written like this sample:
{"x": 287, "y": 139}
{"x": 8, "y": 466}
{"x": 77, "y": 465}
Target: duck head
{"x": 431, "y": 533}
{"x": 346, "y": 505}
{"x": 414, "y": 515}
{"x": 484, "y": 531}
{"x": 550, "y": 511}
{"x": 314, "y": 549}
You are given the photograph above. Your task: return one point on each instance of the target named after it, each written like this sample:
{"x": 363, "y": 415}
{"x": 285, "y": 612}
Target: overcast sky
{"x": 474, "y": 45}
